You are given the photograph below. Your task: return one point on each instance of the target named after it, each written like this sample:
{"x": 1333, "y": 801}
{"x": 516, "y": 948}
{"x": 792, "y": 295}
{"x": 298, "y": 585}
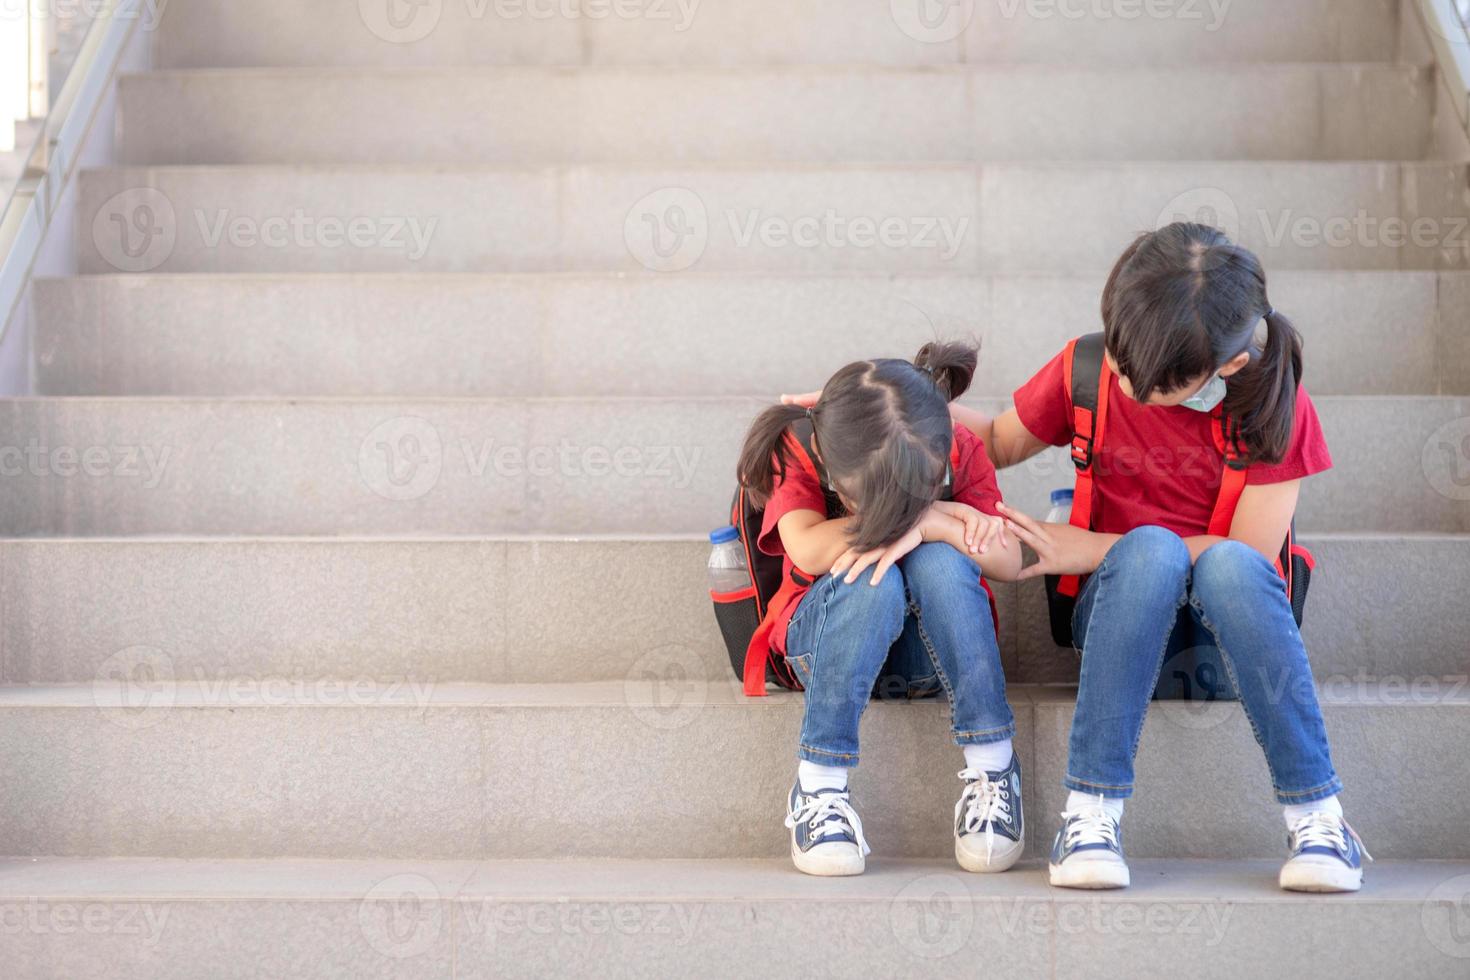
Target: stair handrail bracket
{"x": 51, "y": 164}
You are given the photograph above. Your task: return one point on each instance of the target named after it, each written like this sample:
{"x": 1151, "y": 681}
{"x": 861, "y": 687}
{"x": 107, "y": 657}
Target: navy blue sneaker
{"x": 1326, "y": 855}
{"x": 989, "y": 827}
{"x": 1088, "y": 851}
{"x": 826, "y": 834}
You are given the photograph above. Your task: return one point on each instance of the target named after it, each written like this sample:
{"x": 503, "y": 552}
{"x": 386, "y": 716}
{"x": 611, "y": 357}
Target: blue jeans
{"x": 1127, "y": 619}
{"x": 926, "y": 626}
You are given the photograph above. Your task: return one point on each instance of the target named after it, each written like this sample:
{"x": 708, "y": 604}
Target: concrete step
{"x": 216, "y": 33}
{"x": 891, "y": 219}
{"x": 809, "y": 115}
{"x": 542, "y": 610}
{"x": 142, "y": 767}
{"x": 575, "y": 466}
{"x": 430, "y": 919}
{"x": 692, "y": 334}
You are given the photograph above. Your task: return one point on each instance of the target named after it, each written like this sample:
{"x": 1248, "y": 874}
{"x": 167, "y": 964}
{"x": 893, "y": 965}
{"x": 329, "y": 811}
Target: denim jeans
{"x": 1128, "y": 618}
{"x": 926, "y": 626}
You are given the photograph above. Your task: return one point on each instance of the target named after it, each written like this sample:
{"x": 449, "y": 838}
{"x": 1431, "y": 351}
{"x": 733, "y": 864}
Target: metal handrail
{"x": 51, "y": 162}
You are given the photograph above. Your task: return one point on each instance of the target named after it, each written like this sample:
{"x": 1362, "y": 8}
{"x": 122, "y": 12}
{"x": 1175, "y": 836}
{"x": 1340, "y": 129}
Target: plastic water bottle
{"x": 728, "y": 571}
{"x": 1061, "y": 507}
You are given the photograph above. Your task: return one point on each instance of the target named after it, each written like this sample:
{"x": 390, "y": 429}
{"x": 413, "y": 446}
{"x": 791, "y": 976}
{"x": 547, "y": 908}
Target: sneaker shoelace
{"x": 1089, "y": 825}
{"x": 1326, "y": 830}
{"x": 984, "y": 802}
{"x": 829, "y": 815}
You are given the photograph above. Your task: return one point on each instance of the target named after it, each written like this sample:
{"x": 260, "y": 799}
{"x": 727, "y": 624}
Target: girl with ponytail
{"x": 891, "y": 485}
{"x": 1188, "y": 332}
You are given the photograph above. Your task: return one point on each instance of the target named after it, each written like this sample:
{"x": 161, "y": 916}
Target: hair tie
{"x": 1270, "y": 312}
{"x": 811, "y": 416}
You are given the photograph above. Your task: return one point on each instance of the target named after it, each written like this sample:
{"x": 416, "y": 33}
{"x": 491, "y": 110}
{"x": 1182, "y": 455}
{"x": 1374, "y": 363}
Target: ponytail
{"x": 951, "y": 364}
{"x": 764, "y": 457}
{"x": 1261, "y": 397}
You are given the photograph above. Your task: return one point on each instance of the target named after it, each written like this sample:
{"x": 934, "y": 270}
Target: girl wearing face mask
{"x": 1188, "y": 326}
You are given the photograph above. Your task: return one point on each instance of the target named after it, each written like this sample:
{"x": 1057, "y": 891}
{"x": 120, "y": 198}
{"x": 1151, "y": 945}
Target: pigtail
{"x": 1261, "y": 397}
{"x": 765, "y": 455}
{"x": 951, "y": 364}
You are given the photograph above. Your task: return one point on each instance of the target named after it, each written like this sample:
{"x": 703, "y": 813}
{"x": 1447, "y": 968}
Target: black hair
{"x": 883, "y": 431}
{"x": 1184, "y": 300}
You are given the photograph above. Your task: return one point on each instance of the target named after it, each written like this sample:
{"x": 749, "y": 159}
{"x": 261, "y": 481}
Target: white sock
{"x": 1076, "y": 801}
{"x": 990, "y": 757}
{"x": 1295, "y": 811}
{"x": 814, "y": 776}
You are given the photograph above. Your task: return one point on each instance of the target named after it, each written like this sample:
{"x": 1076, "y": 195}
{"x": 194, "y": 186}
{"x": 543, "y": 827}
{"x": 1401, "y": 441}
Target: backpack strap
{"x": 1089, "y": 380}
{"x": 1232, "y": 477}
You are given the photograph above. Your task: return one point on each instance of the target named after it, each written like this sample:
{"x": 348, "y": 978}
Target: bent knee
{"x": 887, "y": 596}
{"x": 1152, "y": 551}
{"x": 936, "y": 564}
{"x": 1226, "y": 567}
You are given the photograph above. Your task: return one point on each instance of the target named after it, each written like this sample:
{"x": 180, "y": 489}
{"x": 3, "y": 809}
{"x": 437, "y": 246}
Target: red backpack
{"x": 1089, "y": 379}
{"x": 747, "y": 617}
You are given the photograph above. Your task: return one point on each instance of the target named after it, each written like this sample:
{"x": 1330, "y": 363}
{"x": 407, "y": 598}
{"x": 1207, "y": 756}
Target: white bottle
{"x": 728, "y": 571}
{"x": 1061, "y": 507}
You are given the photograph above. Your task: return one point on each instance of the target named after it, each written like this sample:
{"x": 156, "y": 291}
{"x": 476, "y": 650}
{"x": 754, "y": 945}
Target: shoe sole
{"x": 1089, "y": 874}
{"x": 999, "y": 861}
{"x": 1327, "y": 876}
{"x": 827, "y": 865}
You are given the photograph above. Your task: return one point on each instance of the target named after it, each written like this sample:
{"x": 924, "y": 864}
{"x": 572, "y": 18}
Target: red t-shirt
{"x": 974, "y": 484}
{"x": 1159, "y": 465}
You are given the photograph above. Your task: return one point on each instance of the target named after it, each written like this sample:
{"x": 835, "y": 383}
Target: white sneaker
{"x": 1326, "y": 855}
{"x": 826, "y": 834}
{"x": 989, "y": 826}
{"x": 1088, "y": 851}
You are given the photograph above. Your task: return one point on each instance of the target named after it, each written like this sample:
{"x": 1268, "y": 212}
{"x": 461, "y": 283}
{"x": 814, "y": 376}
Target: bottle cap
{"x": 721, "y": 535}
{"x": 1059, "y": 497}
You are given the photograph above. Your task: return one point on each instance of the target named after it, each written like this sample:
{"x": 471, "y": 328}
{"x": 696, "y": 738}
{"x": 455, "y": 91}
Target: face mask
{"x": 1211, "y": 395}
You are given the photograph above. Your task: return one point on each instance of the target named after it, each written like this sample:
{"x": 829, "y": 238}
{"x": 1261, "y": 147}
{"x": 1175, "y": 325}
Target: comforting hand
{"x": 1061, "y": 549}
{"x": 807, "y": 400}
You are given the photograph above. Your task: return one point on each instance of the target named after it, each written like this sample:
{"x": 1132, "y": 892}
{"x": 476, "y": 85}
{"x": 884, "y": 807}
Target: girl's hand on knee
{"x": 855, "y": 562}
{"x": 981, "y": 529}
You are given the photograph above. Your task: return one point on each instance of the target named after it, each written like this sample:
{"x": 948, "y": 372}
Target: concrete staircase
{"x": 352, "y": 609}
